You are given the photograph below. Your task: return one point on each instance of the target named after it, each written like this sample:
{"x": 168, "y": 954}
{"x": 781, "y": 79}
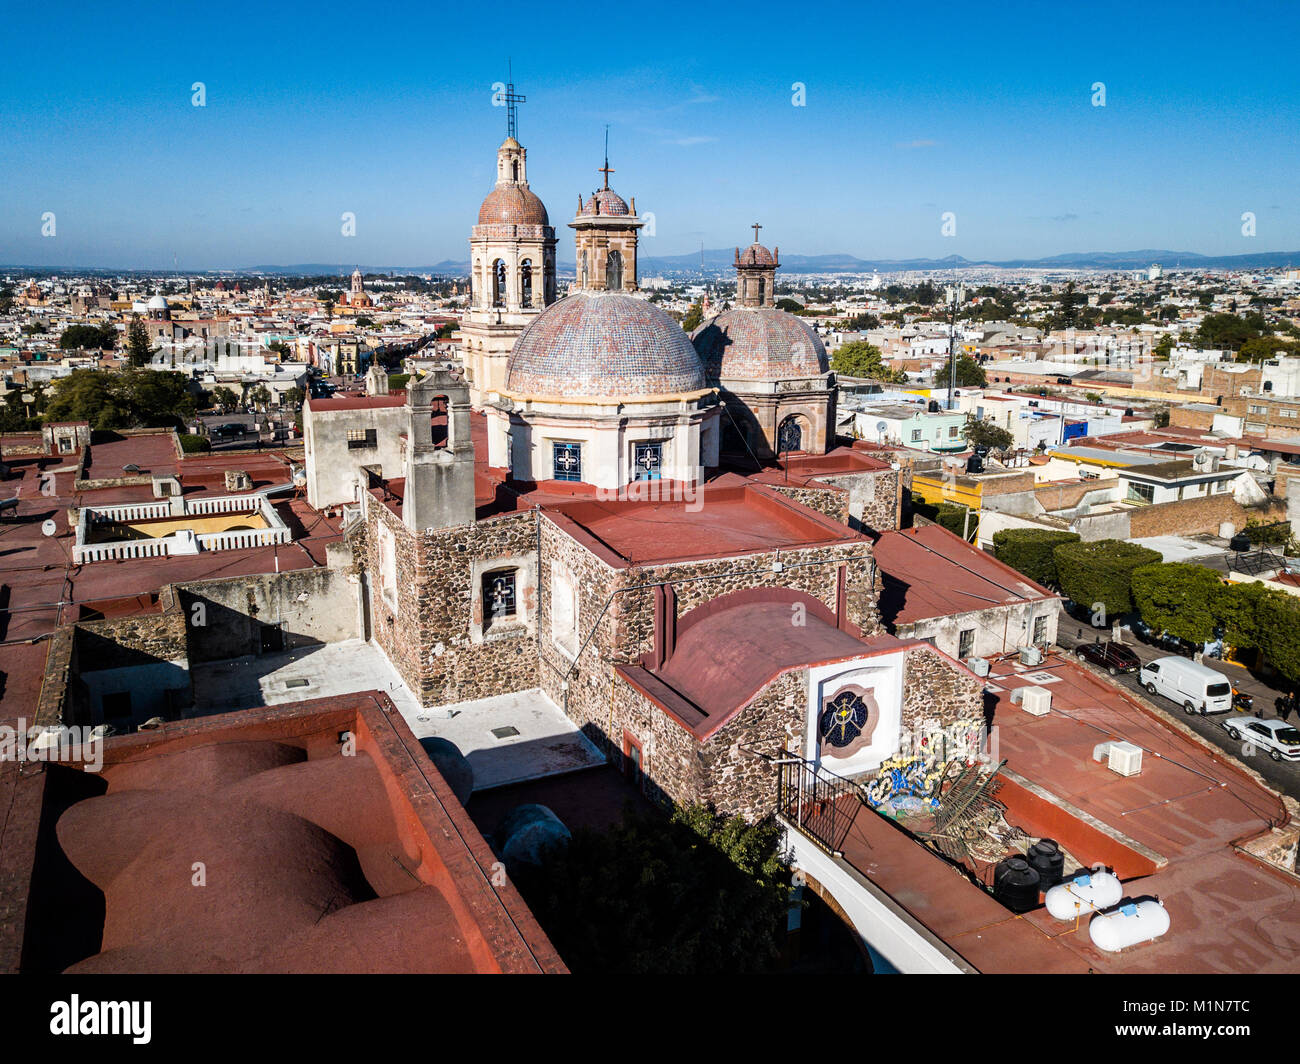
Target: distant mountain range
{"x": 719, "y": 260}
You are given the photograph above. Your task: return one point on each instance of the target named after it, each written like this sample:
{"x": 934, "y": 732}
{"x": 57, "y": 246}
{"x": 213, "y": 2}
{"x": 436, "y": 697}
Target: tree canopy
{"x": 694, "y": 315}
{"x": 861, "y": 359}
{"x": 1101, "y": 573}
{"x": 88, "y": 338}
{"x": 1031, "y": 551}
{"x": 699, "y": 894}
{"x": 988, "y": 435}
{"x": 132, "y": 398}
{"x": 138, "y": 349}
{"x": 1179, "y": 598}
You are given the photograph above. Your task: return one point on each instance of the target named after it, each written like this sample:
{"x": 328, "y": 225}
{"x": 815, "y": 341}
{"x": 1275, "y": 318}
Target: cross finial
{"x": 512, "y": 100}
{"x": 606, "y": 170}
{"x": 756, "y": 227}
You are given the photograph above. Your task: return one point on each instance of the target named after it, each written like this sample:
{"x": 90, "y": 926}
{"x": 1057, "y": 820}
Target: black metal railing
{"x": 821, "y": 804}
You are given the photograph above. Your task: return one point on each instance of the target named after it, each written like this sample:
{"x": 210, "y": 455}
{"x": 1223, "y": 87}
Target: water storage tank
{"x": 1015, "y": 884}
{"x": 528, "y": 832}
{"x": 451, "y": 764}
{"x": 1132, "y": 923}
{"x": 1046, "y": 858}
{"x": 1086, "y": 893}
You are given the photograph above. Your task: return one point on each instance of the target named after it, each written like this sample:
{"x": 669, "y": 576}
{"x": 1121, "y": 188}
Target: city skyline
{"x": 862, "y": 138}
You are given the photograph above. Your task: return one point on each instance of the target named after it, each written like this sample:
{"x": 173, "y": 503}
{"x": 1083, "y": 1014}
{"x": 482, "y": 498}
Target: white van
{"x": 1196, "y": 688}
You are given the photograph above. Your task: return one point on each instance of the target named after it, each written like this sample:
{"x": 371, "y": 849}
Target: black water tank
{"x": 1239, "y": 542}
{"x": 934, "y": 406}
{"x": 1046, "y": 858}
{"x": 1015, "y": 884}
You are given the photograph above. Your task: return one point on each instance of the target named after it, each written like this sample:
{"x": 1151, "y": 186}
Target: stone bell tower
{"x": 439, "y": 491}
{"x": 756, "y": 273}
{"x": 512, "y": 266}
{"x": 605, "y": 235}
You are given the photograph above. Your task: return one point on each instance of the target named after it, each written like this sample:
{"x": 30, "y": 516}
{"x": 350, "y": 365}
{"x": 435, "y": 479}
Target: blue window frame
{"x": 647, "y": 461}
{"x": 567, "y": 458}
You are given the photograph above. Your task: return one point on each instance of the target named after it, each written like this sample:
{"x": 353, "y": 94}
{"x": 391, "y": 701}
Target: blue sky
{"x": 385, "y": 111}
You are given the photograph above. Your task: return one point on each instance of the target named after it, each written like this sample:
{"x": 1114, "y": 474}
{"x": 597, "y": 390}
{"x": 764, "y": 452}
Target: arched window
{"x": 499, "y": 597}
{"x": 789, "y": 436}
{"x": 762, "y": 290}
{"x": 514, "y": 169}
{"x": 499, "y": 283}
{"x": 526, "y": 283}
{"x": 614, "y": 272}
{"x": 584, "y": 269}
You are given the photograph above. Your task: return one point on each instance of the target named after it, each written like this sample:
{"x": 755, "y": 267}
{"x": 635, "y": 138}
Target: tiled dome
{"x": 756, "y": 255}
{"x": 609, "y": 201}
{"x": 512, "y": 205}
{"x": 601, "y": 344}
{"x": 759, "y": 343}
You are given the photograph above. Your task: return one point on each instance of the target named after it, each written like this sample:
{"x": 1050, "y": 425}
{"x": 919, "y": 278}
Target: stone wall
{"x": 1190, "y": 516}
{"x": 225, "y": 618}
{"x": 827, "y": 501}
{"x": 425, "y": 628}
{"x": 875, "y": 498}
{"x": 938, "y": 689}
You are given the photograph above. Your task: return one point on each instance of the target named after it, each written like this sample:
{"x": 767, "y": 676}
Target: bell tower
{"x": 605, "y": 235}
{"x": 756, "y": 273}
{"x": 512, "y": 265}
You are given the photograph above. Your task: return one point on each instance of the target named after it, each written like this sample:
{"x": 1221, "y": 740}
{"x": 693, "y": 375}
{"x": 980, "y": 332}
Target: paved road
{"x": 1285, "y": 775}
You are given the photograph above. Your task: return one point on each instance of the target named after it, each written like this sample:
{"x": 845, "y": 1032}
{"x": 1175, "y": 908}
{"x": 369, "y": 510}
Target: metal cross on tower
{"x": 606, "y": 169}
{"x": 756, "y": 227}
{"x": 512, "y": 100}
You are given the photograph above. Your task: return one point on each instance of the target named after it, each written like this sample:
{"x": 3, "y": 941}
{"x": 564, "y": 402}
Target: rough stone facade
{"x": 936, "y": 688}
{"x": 424, "y": 620}
{"x": 1189, "y": 516}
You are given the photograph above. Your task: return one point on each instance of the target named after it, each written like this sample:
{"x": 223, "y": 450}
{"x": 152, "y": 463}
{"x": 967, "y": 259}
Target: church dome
{"x": 759, "y": 343}
{"x": 608, "y": 201}
{"x": 512, "y": 205}
{"x": 158, "y": 302}
{"x": 756, "y": 255}
{"x": 603, "y": 344}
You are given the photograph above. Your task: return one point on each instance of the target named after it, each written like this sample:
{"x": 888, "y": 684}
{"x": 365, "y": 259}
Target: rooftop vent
{"x": 509, "y": 731}
{"x": 1124, "y": 759}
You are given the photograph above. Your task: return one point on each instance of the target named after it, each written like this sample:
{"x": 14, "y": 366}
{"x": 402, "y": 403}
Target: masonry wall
{"x": 875, "y": 498}
{"x": 626, "y": 627}
{"x": 998, "y": 630}
{"x": 935, "y": 688}
{"x": 1190, "y": 516}
{"x": 427, "y": 628}
{"x": 225, "y": 618}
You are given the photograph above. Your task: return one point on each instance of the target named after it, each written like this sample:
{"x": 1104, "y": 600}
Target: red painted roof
{"x": 357, "y": 402}
{"x": 938, "y": 574}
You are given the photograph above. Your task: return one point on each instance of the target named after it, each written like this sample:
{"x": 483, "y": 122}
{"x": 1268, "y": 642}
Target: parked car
{"x": 1111, "y": 656}
{"x": 1197, "y": 688}
{"x": 1279, "y": 738}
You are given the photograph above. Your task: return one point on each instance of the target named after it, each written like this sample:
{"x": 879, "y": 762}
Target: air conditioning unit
{"x": 1031, "y": 656}
{"x": 1101, "y": 752}
{"x": 979, "y": 666}
{"x": 1036, "y": 701}
{"x": 1125, "y": 759}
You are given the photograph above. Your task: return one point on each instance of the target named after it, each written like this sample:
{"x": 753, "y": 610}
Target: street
{"x": 1284, "y": 775}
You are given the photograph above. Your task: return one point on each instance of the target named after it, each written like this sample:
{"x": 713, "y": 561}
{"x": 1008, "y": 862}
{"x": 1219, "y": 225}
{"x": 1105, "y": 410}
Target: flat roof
{"x": 1174, "y": 831}
{"x": 726, "y": 517}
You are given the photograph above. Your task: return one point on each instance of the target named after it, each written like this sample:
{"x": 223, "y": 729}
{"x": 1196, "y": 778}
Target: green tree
{"x": 861, "y": 359}
{"x": 1164, "y": 348}
{"x": 700, "y": 894}
{"x": 1279, "y": 633}
{"x": 364, "y": 321}
{"x": 985, "y": 434}
{"x": 138, "y": 349}
{"x": 694, "y": 315}
{"x": 790, "y": 306}
{"x": 397, "y": 381}
{"x": 1238, "y": 611}
{"x": 133, "y": 398}
{"x": 1178, "y": 598}
{"x": 259, "y": 397}
{"x": 1032, "y": 551}
{"x": 1101, "y": 573}
{"x": 224, "y": 399}
{"x": 970, "y": 374}
{"x": 88, "y": 338}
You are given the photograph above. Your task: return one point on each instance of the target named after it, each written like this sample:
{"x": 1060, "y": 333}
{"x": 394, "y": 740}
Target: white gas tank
{"x": 1130, "y": 924}
{"x": 1087, "y": 892}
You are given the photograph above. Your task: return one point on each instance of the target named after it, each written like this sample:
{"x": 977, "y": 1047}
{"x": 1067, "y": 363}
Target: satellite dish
{"x": 882, "y": 427}
{"x": 48, "y": 527}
